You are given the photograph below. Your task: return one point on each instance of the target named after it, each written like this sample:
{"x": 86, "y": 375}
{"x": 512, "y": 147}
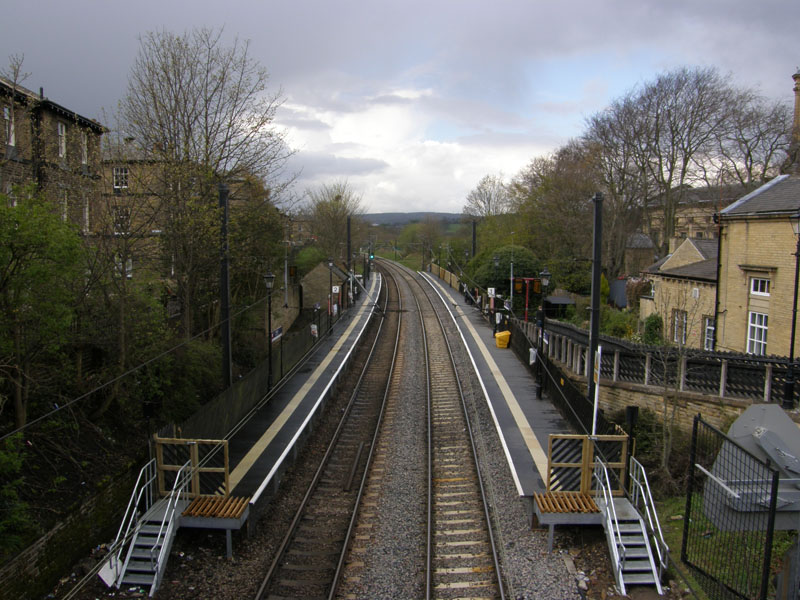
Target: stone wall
{"x": 34, "y": 572}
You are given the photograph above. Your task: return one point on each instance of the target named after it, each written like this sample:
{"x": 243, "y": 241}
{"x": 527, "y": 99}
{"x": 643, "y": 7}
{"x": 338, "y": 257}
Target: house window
{"x": 84, "y": 148}
{"x": 757, "y": 334}
{"x": 8, "y": 121}
{"x": 759, "y": 286}
{"x": 64, "y": 205}
{"x": 120, "y": 177}
{"x": 122, "y": 220}
{"x": 125, "y": 269}
{"x": 85, "y": 215}
{"x": 61, "y": 131}
{"x": 679, "y": 326}
{"x": 708, "y": 333}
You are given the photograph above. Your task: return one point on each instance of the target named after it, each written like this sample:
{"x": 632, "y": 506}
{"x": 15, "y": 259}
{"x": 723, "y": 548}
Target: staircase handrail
{"x": 641, "y": 493}
{"x": 143, "y": 489}
{"x": 604, "y": 486}
{"x": 182, "y": 479}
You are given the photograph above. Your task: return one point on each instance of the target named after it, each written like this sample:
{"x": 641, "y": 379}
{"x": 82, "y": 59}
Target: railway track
{"x": 309, "y": 560}
{"x": 461, "y": 558}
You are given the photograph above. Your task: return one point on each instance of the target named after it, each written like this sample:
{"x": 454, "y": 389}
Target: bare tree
{"x": 200, "y": 113}
{"x": 329, "y": 206}
{"x": 489, "y": 198}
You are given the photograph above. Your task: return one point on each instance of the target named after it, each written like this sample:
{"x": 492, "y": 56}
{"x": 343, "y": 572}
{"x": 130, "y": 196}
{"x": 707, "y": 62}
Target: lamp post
{"x": 511, "y": 291}
{"x": 545, "y": 278}
{"x": 788, "y": 396}
{"x": 330, "y": 293}
{"x": 496, "y": 262}
{"x": 269, "y": 280}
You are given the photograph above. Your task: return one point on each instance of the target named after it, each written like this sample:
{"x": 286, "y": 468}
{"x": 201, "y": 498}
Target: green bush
{"x": 308, "y": 258}
{"x": 16, "y": 525}
{"x": 653, "y": 330}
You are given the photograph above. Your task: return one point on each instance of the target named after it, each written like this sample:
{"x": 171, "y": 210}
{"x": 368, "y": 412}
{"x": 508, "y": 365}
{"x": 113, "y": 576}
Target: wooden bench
{"x": 217, "y": 512}
{"x": 565, "y": 508}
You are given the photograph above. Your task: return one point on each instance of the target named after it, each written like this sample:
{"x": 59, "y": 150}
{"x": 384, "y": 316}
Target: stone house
{"x": 684, "y": 293}
{"x": 56, "y": 149}
{"x": 758, "y": 257}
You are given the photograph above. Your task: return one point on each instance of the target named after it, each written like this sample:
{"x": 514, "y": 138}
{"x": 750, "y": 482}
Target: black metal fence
{"x": 723, "y": 374}
{"x": 730, "y": 516}
{"x": 571, "y": 402}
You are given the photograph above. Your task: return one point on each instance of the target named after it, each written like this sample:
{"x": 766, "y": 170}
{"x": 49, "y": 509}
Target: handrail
{"x": 142, "y": 489}
{"x": 182, "y": 479}
{"x": 604, "y": 485}
{"x": 641, "y": 492}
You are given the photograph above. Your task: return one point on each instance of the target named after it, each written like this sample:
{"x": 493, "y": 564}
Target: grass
{"x": 731, "y": 555}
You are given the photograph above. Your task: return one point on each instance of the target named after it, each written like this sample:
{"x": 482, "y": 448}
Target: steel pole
{"x": 788, "y": 396}
{"x": 594, "y": 332}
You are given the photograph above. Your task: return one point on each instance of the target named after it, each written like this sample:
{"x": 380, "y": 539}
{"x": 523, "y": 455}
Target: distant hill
{"x": 413, "y": 217}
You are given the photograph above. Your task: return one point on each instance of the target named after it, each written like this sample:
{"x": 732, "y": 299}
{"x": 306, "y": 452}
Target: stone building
{"x": 684, "y": 292}
{"x": 54, "y": 148}
{"x": 758, "y": 257}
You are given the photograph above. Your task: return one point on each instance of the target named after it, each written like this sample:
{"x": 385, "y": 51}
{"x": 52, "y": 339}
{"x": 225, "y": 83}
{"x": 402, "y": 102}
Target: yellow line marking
{"x": 258, "y": 448}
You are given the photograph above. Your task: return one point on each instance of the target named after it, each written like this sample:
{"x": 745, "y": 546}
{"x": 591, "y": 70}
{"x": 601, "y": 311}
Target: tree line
{"x": 689, "y": 127}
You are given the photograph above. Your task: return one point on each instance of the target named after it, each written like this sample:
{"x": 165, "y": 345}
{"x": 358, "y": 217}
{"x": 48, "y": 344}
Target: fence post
{"x": 768, "y": 383}
{"x": 647, "y": 358}
{"x": 682, "y": 373}
{"x": 723, "y": 377}
{"x": 586, "y": 362}
{"x": 616, "y": 365}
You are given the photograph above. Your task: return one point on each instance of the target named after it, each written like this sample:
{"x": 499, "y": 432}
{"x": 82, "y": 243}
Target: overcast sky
{"x": 413, "y": 102}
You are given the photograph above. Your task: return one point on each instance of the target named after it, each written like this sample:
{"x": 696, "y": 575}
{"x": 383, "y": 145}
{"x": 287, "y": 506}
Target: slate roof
{"x": 779, "y": 196}
{"x": 705, "y": 270}
{"x": 707, "y": 248}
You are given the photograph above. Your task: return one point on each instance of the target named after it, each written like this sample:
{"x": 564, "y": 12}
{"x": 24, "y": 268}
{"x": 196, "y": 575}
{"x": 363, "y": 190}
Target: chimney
{"x": 792, "y": 164}
{"x": 796, "y": 126}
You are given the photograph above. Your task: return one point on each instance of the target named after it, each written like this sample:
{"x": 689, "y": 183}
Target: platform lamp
{"x": 788, "y": 396}
{"x": 496, "y": 263}
{"x": 544, "y": 276}
{"x": 330, "y": 293}
{"x": 269, "y": 280}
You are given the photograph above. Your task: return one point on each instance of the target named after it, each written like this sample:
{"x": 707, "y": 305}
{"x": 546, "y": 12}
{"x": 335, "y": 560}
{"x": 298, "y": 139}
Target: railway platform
{"x": 523, "y": 423}
{"x": 259, "y": 450}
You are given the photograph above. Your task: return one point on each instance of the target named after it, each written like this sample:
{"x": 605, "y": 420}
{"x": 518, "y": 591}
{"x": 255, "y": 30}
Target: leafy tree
{"x": 40, "y": 256}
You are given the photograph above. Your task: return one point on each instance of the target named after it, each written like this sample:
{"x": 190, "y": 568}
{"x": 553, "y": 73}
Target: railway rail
{"x": 461, "y": 557}
{"x": 309, "y": 560}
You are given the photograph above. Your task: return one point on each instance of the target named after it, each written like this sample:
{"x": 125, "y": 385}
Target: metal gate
{"x": 727, "y": 546}
{"x": 209, "y": 465}
{"x": 571, "y": 460}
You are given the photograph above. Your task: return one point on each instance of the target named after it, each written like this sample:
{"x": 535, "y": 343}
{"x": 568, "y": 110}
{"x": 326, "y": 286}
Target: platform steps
{"x": 145, "y": 562}
{"x": 636, "y": 565}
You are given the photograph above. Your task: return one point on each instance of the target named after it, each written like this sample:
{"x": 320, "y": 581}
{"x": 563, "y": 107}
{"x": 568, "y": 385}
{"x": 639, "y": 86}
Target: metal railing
{"x": 141, "y": 500}
{"x": 615, "y": 543}
{"x": 642, "y": 501}
{"x": 167, "y": 528}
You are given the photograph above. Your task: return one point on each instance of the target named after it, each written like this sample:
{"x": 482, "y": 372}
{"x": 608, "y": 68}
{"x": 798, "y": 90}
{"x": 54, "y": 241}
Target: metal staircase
{"x": 146, "y": 533}
{"x": 631, "y": 537}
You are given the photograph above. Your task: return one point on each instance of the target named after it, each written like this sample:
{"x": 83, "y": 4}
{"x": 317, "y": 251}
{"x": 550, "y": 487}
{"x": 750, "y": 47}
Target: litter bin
{"x": 501, "y": 338}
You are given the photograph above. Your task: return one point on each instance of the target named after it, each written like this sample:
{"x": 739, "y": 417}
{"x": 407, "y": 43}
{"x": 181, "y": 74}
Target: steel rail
{"x": 288, "y": 537}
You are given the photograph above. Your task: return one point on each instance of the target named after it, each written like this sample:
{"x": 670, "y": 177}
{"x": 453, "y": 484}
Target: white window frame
{"x": 8, "y": 118}
{"x": 120, "y": 178}
{"x": 85, "y": 214}
{"x": 759, "y": 286}
{"x": 84, "y": 148}
{"x": 757, "y": 328}
{"x": 61, "y": 133}
{"x": 679, "y": 323}
{"x": 709, "y": 331}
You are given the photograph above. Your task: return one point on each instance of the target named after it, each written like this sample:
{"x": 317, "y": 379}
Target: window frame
{"x": 757, "y": 330}
{"x": 84, "y": 148}
{"x": 10, "y": 130}
{"x": 709, "y": 332}
{"x": 679, "y": 326}
{"x": 119, "y": 178}
{"x": 763, "y": 288}
{"x": 61, "y": 137}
